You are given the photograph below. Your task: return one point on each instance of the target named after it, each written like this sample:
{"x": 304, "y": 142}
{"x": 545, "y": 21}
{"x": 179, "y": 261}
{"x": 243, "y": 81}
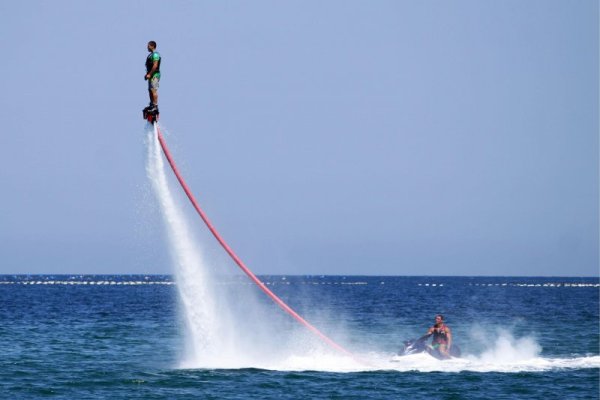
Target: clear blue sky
{"x": 322, "y": 137}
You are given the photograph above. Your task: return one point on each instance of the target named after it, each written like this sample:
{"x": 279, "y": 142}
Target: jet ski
{"x": 420, "y": 345}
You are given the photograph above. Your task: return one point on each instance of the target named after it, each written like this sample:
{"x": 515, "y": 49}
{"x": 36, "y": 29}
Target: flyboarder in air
{"x": 153, "y": 78}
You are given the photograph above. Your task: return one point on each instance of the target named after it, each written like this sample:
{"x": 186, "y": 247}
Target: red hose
{"x": 235, "y": 258}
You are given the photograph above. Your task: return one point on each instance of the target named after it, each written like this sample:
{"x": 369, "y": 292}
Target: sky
{"x": 321, "y": 137}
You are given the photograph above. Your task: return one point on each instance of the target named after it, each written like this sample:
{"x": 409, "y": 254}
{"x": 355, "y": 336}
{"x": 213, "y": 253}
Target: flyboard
{"x": 151, "y": 114}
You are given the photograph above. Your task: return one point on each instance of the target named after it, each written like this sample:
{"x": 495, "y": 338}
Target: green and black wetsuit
{"x": 153, "y": 57}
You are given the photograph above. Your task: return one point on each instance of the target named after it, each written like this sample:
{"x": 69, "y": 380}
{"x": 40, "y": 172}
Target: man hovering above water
{"x": 442, "y": 338}
{"x": 153, "y": 75}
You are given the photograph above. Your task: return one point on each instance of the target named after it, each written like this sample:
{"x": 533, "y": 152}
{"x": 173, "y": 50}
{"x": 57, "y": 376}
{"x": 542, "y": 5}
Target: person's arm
{"x": 449, "y": 336}
{"x": 425, "y": 336}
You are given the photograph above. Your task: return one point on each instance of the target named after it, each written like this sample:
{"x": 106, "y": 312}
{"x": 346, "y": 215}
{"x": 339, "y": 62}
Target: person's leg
{"x": 154, "y": 90}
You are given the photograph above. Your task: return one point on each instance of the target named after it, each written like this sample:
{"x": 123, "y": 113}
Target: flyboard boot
{"x": 151, "y": 113}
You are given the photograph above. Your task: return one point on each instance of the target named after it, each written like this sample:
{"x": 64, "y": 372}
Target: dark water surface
{"x": 97, "y": 337}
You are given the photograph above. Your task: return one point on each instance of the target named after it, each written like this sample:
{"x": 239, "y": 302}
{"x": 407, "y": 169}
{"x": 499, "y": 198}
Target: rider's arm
{"x": 425, "y": 336}
{"x": 449, "y": 336}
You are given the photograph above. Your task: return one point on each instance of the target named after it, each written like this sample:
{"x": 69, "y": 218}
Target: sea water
{"x": 96, "y": 337}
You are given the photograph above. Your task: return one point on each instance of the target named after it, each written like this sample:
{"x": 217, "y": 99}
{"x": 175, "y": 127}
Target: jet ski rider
{"x": 442, "y": 337}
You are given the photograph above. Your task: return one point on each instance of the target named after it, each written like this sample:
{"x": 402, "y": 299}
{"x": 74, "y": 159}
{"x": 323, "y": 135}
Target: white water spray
{"x": 206, "y": 337}
{"x": 227, "y": 326}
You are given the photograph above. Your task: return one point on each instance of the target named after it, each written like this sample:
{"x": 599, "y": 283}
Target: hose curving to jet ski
{"x": 234, "y": 256}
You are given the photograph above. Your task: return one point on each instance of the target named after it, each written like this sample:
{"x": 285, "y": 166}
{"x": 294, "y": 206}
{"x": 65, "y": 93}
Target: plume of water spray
{"x": 508, "y": 349}
{"x": 227, "y": 327}
{"x": 205, "y": 337}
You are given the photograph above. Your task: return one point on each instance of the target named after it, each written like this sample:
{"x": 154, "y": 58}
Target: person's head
{"x": 151, "y": 45}
{"x": 439, "y": 319}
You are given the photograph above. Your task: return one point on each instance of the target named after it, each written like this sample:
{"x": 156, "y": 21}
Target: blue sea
{"x": 133, "y": 337}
